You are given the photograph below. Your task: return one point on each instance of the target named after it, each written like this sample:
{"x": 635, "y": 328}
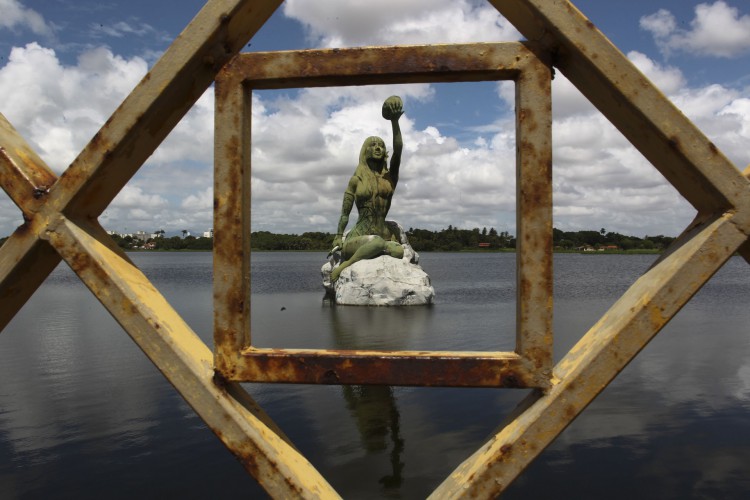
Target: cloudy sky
{"x": 65, "y": 65}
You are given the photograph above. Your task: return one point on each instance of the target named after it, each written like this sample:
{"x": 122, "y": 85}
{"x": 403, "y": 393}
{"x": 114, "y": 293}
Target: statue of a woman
{"x": 371, "y": 189}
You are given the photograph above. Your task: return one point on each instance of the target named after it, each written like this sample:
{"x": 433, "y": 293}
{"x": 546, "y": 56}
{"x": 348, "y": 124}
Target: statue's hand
{"x": 337, "y": 242}
{"x": 393, "y": 108}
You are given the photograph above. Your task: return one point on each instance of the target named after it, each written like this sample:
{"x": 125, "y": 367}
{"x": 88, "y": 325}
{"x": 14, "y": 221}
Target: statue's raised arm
{"x": 393, "y": 108}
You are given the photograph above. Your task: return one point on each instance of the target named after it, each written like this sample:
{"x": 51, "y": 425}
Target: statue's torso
{"x": 373, "y": 199}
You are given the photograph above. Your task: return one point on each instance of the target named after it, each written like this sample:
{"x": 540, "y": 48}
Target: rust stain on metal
{"x": 534, "y": 215}
{"x": 385, "y": 367}
{"x": 23, "y": 175}
{"x": 307, "y": 68}
{"x": 538, "y": 356}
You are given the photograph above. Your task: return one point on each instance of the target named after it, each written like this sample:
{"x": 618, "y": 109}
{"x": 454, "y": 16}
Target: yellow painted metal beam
{"x": 25, "y": 260}
{"x": 597, "y": 358}
{"x": 23, "y": 175}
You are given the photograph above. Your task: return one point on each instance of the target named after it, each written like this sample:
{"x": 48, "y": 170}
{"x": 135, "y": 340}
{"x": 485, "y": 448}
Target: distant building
{"x": 209, "y": 233}
{"x": 141, "y": 235}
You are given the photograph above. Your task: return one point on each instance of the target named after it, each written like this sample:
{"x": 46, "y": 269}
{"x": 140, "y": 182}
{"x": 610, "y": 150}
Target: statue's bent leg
{"x": 361, "y": 247}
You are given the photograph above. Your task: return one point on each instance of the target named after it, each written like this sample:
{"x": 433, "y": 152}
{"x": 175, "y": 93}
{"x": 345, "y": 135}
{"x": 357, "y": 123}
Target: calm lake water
{"x": 84, "y": 414}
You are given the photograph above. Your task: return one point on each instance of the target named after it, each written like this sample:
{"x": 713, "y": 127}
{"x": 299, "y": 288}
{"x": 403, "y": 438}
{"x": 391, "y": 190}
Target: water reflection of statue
{"x": 376, "y": 415}
{"x": 371, "y": 189}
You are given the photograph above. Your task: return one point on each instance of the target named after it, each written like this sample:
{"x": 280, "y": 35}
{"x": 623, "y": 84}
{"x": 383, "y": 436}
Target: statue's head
{"x": 373, "y": 148}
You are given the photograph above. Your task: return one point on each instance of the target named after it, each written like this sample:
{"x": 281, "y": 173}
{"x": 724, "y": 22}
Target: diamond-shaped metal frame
{"x": 61, "y": 223}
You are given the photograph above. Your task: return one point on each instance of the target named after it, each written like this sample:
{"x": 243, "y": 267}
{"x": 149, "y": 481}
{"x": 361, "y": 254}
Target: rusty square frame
{"x": 237, "y": 359}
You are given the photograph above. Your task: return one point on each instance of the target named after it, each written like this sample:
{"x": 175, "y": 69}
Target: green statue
{"x": 371, "y": 189}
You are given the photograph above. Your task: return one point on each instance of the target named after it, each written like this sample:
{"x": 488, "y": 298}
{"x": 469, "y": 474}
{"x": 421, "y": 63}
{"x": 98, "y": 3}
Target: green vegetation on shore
{"x": 455, "y": 240}
{"x": 161, "y": 243}
{"x": 571, "y": 240}
{"x": 423, "y": 240}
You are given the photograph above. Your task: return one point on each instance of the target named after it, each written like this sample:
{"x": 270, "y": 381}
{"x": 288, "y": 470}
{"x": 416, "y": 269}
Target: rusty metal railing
{"x": 60, "y": 222}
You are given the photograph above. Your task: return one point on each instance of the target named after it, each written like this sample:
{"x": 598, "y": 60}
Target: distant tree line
{"x": 454, "y": 239}
{"x": 572, "y": 240}
{"x": 264, "y": 240}
{"x": 423, "y": 240}
{"x": 451, "y": 239}
{"x": 173, "y": 243}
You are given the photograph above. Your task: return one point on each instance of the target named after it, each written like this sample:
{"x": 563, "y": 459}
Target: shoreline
{"x": 499, "y": 250}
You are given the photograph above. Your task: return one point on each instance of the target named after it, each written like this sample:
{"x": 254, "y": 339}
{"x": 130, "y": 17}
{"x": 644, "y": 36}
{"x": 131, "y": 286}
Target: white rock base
{"x": 383, "y": 281}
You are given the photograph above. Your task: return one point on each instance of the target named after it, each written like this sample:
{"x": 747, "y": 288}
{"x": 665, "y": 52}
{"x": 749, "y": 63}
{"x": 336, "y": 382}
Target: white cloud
{"x": 122, "y": 29}
{"x": 134, "y": 209}
{"x": 193, "y": 138}
{"x": 347, "y": 23}
{"x": 58, "y": 108}
{"x": 662, "y": 23}
{"x": 668, "y": 79}
{"x": 717, "y": 30}
{"x": 738, "y": 111}
{"x": 15, "y": 15}
{"x": 198, "y": 208}
{"x": 202, "y": 200}
{"x": 134, "y": 197}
